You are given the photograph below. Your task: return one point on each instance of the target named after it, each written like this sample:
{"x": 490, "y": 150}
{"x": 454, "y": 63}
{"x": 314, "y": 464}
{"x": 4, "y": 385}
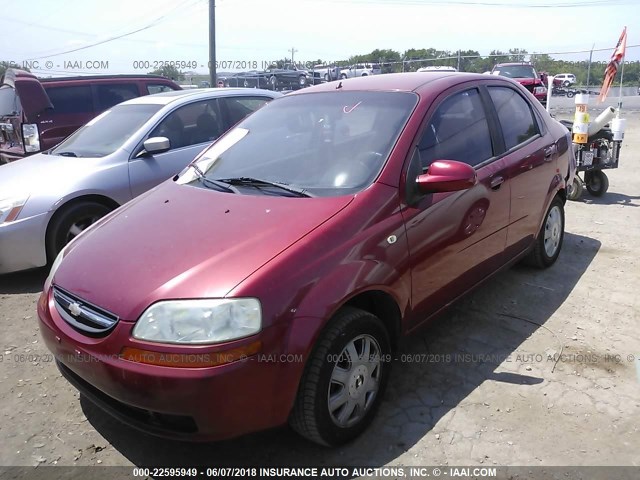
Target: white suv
{"x": 565, "y": 79}
{"x": 360, "y": 70}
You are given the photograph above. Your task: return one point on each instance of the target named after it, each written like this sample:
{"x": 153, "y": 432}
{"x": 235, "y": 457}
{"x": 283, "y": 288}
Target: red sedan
{"x": 270, "y": 281}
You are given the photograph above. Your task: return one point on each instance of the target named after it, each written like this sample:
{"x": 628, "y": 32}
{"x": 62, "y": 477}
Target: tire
{"x": 273, "y": 81}
{"x": 597, "y": 182}
{"x": 358, "y": 396}
{"x": 69, "y": 222}
{"x": 343, "y": 76}
{"x": 302, "y": 80}
{"x": 575, "y": 192}
{"x": 326, "y": 77}
{"x": 570, "y": 94}
{"x": 549, "y": 242}
{"x": 566, "y": 83}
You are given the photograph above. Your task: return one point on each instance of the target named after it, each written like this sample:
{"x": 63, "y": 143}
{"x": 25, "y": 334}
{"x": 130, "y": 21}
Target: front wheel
{"x": 549, "y": 242}
{"x": 344, "y": 379}
{"x": 570, "y": 94}
{"x": 597, "y": 182}
{"x": 70, "y": 222}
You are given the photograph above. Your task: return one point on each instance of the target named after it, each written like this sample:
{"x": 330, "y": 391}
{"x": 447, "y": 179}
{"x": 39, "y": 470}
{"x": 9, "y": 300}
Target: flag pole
{"x": 620, "y": 92}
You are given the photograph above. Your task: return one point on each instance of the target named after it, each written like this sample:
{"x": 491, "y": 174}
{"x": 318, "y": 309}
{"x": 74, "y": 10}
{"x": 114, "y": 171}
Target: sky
{"x": 256, "y": 32}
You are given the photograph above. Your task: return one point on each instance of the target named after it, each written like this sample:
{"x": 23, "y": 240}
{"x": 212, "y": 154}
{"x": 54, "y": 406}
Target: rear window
{"x": 516, "y": 71}
{"x": 9, "y": 102}
{"x": 76, "y": 99}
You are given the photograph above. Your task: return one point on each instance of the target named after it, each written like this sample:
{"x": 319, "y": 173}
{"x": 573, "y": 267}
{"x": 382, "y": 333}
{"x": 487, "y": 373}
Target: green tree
{"x": 169, "y": 71}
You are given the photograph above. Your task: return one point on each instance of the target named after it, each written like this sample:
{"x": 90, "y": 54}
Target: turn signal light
{"x": 190, "y": 360}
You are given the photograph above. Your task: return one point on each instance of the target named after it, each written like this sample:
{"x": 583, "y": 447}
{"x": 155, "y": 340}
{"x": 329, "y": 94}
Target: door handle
{"x": 548, "y": 152}
{"x": 496, "y": 182}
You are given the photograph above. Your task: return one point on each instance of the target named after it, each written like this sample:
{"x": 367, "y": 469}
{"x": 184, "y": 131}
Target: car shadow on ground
{"x": 30, "y": 281}
{"x": 612, "y": 198}
{"x": 484, "y": 329}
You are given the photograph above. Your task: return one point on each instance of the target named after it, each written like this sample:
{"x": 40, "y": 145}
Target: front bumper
{"x": 212, "y": 403}
{"x": 22, "y": 244}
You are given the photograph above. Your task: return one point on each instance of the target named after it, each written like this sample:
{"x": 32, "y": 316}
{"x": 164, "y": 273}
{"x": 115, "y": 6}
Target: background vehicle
{"x": 526, "y": 75}
{"x": 249, "y": 79}
{"x": 290, "y": 76}
{"x": 367, "y": 211}
{"x": 437, "y": 68}
{"x": 49, "y": 198}
{"x": 360, "y": 70}
{"x": 36, "y": 114}
{"x": 565, "y": 79}
{"x": 324, "y": 73}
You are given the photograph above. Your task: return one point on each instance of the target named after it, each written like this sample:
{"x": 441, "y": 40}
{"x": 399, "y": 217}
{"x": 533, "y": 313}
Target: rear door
{"x": 456, "y": 239}
{"x": 531, "y": 154}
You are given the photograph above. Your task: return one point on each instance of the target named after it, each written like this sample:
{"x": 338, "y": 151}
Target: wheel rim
{"x": 552, "y": 231}
{"x": 79, "y": 225}
{"x": 355, "y": 381}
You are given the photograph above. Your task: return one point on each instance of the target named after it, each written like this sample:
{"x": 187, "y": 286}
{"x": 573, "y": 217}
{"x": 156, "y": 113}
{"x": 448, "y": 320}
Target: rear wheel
{"x": 344, "y": 379}
{"x": 575, "y": 192}
{"x": 597, "y": 182}
{"x": 70, "y": 222}
{"x": 549, "y": 241}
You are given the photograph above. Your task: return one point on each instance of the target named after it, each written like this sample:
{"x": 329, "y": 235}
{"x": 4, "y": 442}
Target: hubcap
{"x": 552, "y": 231}
{"x": 78, "y": 226}
{"x": 595, "y": 183}
{"x": 355, "y": 381}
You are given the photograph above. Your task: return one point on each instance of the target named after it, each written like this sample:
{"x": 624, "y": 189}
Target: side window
{"x": 516, "y": 118}
{"x": 191, "y": 124}
{"x": 458, "y": 130}
{"x": 240, "y": 107}
{"x": 110, "y": 94}
{"x": 156, "y": 88}
{"x": 76, "y": 99}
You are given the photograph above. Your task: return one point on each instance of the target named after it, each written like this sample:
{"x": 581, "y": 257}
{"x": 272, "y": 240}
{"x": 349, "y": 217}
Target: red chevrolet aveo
{"x": 271, "y": 279}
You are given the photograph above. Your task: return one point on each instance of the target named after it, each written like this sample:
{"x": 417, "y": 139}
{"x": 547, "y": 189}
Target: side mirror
{"x": 447, "y": 176}
{"x": 156, "y": 145}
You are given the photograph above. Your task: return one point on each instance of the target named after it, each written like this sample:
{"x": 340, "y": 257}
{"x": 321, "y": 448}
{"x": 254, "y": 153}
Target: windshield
{"x": 517, "y": 71}
{"x": 326, "y": 144}
{"x": 107, "y": 132}
{"x": 9, "y": 102}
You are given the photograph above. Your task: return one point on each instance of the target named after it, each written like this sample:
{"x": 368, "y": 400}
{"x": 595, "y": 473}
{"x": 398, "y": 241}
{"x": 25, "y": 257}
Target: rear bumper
{"x": 22, "y": 244}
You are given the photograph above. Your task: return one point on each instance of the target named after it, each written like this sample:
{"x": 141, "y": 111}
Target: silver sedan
{"x": 49, "y": 198}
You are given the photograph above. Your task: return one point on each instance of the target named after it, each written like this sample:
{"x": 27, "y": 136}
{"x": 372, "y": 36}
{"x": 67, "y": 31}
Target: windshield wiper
{"x": 67, "y": 154}
{"x": 256, "y": 182}
{"x": 208, "y": 182}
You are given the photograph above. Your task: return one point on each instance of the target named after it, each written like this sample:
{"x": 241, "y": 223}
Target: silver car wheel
{"x": 552, "y": 231}
{"x": 80, "y": 225}
{"x": 355, "y": 381}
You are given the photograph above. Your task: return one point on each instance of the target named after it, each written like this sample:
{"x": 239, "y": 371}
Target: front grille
{"x": 82, "y": 315}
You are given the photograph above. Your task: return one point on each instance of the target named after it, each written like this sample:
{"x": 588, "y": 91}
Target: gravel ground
{"x": 485, "y": 385}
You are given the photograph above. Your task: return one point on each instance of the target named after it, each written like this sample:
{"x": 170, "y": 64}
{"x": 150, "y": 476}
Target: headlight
{"x": 10, "y": 208}
{"x": 199, "y": 321}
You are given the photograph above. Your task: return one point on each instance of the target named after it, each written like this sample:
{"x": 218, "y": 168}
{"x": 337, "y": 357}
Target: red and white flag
{"x": 613, "y": 65}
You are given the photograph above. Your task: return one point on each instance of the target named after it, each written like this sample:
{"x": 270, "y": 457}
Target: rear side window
{"x": 157, "y": 88}
{"x": 110, "y": 94}
{"x": 77, "y": 99}
{"x": 458, "y": 130}
{"x": 516, "y": 118}
{"x": 240, "y": 107}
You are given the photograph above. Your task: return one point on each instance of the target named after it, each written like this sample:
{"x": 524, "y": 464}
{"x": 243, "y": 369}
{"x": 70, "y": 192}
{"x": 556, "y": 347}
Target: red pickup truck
{"x": 526, "y": 75}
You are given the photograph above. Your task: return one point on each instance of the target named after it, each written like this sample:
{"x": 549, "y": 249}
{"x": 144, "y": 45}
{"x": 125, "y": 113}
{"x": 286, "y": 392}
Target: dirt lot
{"x": 483, "y": 387}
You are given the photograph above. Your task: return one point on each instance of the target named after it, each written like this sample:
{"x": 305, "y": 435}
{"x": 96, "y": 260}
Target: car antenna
{"x": 339, "y": 86}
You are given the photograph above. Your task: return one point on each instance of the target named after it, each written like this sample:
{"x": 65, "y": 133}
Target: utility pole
{"x": 212, "y": 43}
{"x": 293, "y": 51}
{"x": 589, "y": 67}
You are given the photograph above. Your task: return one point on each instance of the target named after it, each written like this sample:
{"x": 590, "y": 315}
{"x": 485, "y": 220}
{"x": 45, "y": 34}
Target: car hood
{"x": 180, "y": 241}
{"x": 37, "y": 173}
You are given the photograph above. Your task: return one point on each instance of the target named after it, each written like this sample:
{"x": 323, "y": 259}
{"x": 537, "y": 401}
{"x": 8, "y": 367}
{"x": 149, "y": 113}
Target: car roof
{"x": 399, "y": 82}
{"x": 165, "y": 98}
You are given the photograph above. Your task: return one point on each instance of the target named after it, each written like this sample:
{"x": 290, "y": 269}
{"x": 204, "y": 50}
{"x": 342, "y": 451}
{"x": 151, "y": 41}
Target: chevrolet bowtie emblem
{"x": 75, "y": 308}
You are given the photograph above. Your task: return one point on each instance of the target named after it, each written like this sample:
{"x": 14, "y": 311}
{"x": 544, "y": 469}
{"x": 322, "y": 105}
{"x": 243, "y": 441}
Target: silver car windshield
{"x": 327, "y": 144}
{"x": 107, "y": 132}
